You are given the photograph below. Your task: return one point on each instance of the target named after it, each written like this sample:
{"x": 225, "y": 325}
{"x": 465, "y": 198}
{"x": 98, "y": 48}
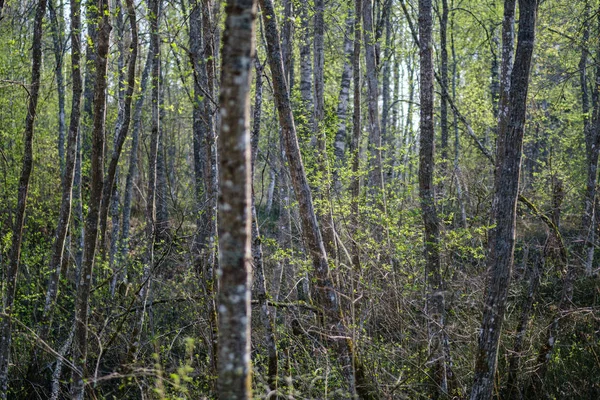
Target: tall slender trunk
{"x": 27, "y": 166}
{"x": 325, "y": 214}
{"x": 592, "y": 147}
{"x": 444, "y": 78}
{"x": 306, "y": 68}
{"x": 386, "y": 76}
{"x": 375, "y": 181}
{"x": 435, "y": 307}
{"x": 57, "y": 42}
{"x": 356, "y": 135}
{"x": 257, "y": 253}
{"x": 326, "y": 295}
{"x": 91, "y": 222}
{"x": 132, "y": 171}
{"x": 58, "y": 247}
{"x": 122, "y": 126}
{"x": 502, "y": 238}
{"x": 154, "y": 11}
{"x": 235, "y": 199}
{"x": 339, "y": 146}
{"x": 457, "y": 172}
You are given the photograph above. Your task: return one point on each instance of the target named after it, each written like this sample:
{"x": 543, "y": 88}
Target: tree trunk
{"x": 131, "y": 173}
{"x": 257, "y": 253}
{"x": 235, "y": 211}
{"x": 325, "y": 292}
{"x": 57, "y": 42}
{"x": 154, "y": 14}
{"x": 19, "y": 220}
{"x": 375, "y": 181}
{"x": 435, "y": 307}
{"x": 67, "y": 183}
{"x": 325, "y": 214}
{"x": 339, "y": 146}
{"x": 444, "y": 78}
{"x": 502, "y": 237}
{"x": 91, "y": 222}
{"x": 592, "y": 147}
{"x": 122, "y": 127}
{"x": 356, "y": 135}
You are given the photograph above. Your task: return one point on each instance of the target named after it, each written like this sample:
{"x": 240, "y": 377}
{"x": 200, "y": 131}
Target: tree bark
{"x": 19, "y": 219}
{"x": 375, "y": 181}
{"x": 325, "y": 292}
{"x": 257, "y": 252}
{"x": 592, "y": 147}
{"x": 235, "y": 198}
{"x": 58, "y": 247}
{"x": 57, "y": 42}
{"x": 339, "y": 147}
{"x": 356, "y": 135}
{"x": 435, "y": 306}
{"x": 502, "y": 238}
{"x": 91, "y": 222}
{"x": 123, "y": 126}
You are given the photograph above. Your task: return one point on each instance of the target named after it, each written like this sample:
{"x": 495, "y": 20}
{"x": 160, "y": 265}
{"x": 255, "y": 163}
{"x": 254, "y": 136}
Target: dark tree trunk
{"x": 19, "y": 219}
{"x": 435, "y": 307}
{"x": 235, "y": 198}
{"x": 91, "y": 222}
{"x": 508, "y": 166}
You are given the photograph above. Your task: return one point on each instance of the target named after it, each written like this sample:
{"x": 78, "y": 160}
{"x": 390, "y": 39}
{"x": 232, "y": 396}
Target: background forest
{"x": 436, "y": 140}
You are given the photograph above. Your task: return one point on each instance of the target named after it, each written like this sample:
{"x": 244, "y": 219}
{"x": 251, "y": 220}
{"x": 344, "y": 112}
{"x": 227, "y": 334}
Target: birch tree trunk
{"x": 508, "y": 166}
{"x": 235, "y": 211}
{"x": 19, "y": 219}
{"x": 91, "y": 222}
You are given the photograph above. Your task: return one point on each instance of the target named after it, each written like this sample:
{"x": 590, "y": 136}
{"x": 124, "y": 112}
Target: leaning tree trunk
{"x": 502, "y": 237}
{"x": 235, "y": 192}
{"x": 91, "y": 222}
{"x": 327, "y": 297}
{"x": 435, "y": 287}
{"x": 27, "y": 166}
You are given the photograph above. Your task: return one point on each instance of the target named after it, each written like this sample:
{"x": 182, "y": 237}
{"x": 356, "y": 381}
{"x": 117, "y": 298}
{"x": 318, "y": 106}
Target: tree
{"x": 235, "y": 198}
{"x": 502, "y": 238}
{"x": 435, "y": 287}
{"x": 91, "y": 221}
{"x": 19, "y": 218}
